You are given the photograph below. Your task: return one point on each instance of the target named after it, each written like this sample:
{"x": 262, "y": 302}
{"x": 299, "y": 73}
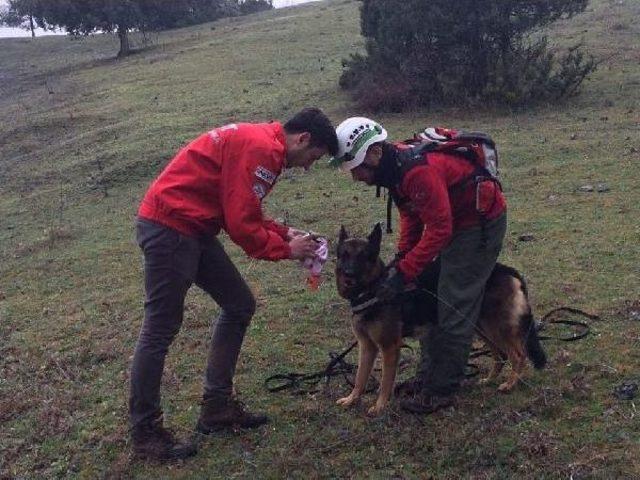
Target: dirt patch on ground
{"x": 629, "y": 310}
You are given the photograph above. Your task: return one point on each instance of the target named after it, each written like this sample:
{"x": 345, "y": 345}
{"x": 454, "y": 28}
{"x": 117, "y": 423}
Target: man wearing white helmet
{"x": 447, "y": 215}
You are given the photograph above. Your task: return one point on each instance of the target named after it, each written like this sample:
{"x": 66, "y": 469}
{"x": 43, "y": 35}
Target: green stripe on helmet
{"x": 364, "y": 138}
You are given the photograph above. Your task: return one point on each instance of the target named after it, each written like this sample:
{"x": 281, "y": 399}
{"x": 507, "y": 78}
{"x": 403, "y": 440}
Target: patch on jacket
{"x": 265, "y": 175}
{"x": 260, "y": 190}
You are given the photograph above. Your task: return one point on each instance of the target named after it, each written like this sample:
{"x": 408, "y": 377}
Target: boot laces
{"x": 238, "y": 405}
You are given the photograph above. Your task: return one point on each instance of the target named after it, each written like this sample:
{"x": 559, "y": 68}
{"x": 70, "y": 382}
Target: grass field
{"x": 82, "y": 136}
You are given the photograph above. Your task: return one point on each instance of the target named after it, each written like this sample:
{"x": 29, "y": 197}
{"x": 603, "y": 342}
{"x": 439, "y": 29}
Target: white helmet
{"x": 355, "y": 136}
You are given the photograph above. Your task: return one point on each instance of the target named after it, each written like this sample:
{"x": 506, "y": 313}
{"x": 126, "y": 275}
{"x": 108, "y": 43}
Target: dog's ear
{"x": 375, "y": 237}
{"x": 343, "y": 235}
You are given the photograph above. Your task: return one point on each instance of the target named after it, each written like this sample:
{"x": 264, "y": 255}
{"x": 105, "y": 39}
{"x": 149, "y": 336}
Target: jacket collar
{"x": 388, "y": 172}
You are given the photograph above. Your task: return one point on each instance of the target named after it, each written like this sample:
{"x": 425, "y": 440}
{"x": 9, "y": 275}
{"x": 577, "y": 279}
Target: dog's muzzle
{"x": 348, "y": 281}
{"x": 347, "y": 277}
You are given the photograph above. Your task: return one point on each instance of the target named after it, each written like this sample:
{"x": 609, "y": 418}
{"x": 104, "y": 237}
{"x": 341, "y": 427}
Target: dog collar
{"x": 363, "y": 302}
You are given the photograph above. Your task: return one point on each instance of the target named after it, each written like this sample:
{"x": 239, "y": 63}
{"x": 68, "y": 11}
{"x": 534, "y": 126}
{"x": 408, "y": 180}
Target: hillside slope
{"x": 82, "y": 136}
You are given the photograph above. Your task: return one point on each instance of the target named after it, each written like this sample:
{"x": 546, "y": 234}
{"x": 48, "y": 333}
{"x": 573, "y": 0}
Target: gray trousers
{"x": 465, "y": 266}
{"x": 172, "y": 263}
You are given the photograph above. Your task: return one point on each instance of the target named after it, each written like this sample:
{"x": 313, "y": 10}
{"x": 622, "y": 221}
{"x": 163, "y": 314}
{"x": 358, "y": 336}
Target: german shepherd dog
{"x": 506, "y": 323}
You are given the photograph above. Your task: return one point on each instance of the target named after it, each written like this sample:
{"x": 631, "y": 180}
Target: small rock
{"x": 574, "y": 136}
{"x": 526, "y": 237}
{"x": 633, "y": 315}
{"x": 602, "y": 187}
{"x": 586, "y": 188}
{"x": 552, "y": 198}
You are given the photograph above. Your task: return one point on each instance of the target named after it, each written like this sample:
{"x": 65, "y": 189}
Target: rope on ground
{"x": 304, "y": 383}
{"x": 307, "y": 383}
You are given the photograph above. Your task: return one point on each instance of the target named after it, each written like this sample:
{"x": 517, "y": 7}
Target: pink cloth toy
{"x": 314, "y": 265}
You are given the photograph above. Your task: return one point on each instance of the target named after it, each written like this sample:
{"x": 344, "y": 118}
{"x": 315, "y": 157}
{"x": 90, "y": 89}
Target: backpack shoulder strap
{"x": 412, "y": 157}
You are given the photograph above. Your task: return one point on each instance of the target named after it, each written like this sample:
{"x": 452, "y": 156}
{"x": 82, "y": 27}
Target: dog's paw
{"x": 375, "y": 410}
{"x": 505, "y": 387}
{"x": 347, "y": 401}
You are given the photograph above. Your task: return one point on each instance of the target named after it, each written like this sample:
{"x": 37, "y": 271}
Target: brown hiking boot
{"x": 425, "y": 404}
{"x": 151, "y": 441}
{"x": 218, "y": 413}
{"x": 409, "y": 387}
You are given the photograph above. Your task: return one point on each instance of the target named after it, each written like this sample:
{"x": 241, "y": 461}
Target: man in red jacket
{"x": 445, "y": 214}
{"x": 217, "y": 182}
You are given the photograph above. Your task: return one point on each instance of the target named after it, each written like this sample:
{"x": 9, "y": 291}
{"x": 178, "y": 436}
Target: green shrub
{"x": 428, "y": 52}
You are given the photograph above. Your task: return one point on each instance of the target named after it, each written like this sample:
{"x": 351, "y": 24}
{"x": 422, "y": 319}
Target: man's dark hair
{"x": 314, "y": 121}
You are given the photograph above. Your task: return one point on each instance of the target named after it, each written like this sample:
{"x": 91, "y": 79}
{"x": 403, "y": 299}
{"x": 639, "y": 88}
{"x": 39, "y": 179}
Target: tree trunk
{"x": 32, "y": 27}
{"x": 125, "y": 49}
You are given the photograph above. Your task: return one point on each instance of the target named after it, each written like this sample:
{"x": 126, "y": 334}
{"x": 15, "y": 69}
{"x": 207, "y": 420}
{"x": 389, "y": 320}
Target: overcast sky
{"x": 17, "y": 32}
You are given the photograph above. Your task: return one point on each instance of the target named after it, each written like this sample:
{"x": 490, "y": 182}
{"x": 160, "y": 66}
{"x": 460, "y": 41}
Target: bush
{"x": 428, "y": 52}
{"x": 253, "y": 6}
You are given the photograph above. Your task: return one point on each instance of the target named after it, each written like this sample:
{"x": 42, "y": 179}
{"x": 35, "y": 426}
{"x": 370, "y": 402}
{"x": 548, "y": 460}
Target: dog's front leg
{"x": 367, "y": 352}
{"x": 390, "y": 357}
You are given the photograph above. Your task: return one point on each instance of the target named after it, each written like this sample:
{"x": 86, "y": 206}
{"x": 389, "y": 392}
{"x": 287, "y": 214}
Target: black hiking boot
{"x": 222, "y": 412}
{"x": 151, "y": 441}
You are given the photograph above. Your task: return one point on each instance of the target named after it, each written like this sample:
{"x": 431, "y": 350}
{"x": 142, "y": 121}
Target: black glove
{"x": 396, "y": 259}
{"x": 391, "y": 286}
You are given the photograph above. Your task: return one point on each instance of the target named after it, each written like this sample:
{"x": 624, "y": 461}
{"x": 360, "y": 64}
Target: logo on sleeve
{"x": 260, "y": 190}
{"x": 215, "y": 133}
{"x": 265, "y": 175}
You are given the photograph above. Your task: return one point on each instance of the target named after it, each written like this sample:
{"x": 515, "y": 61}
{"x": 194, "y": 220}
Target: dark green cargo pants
{"x": 465, "y": 265}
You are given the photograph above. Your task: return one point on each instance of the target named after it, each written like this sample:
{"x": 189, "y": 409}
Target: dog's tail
{"x": 534, "y": 348}
{"x": 527, "y": 323}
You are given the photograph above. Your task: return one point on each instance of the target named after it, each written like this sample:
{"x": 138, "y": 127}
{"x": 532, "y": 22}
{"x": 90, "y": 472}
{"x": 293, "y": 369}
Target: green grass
{"x": 75, "y": 162}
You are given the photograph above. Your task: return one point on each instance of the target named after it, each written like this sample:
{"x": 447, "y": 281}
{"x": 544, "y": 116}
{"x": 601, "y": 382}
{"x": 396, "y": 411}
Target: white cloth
{"x": 315, "y": 264}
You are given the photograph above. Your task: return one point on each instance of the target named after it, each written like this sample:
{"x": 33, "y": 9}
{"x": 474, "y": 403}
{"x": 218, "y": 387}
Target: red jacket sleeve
{"x": 247, "y": 176}
{"x": 411, "y": 229}
{"x": 277, "y": 227}
{"x": 429, "y": 197}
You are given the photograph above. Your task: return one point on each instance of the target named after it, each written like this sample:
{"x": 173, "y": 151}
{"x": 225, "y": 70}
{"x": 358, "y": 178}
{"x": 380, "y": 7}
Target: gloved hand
{"x": 396, "y": 259}
{"x": 391, "y": 286}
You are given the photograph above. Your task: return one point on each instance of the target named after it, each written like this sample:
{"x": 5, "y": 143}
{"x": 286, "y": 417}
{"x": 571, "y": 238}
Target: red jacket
{"x": 431, "y": 212}
{"x": 218, "y": 181}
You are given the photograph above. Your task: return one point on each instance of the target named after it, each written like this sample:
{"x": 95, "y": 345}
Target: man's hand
{"x": 294, "y": 232}
{"x": 391, "y": 286}
{"x": 303, "y": 246}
